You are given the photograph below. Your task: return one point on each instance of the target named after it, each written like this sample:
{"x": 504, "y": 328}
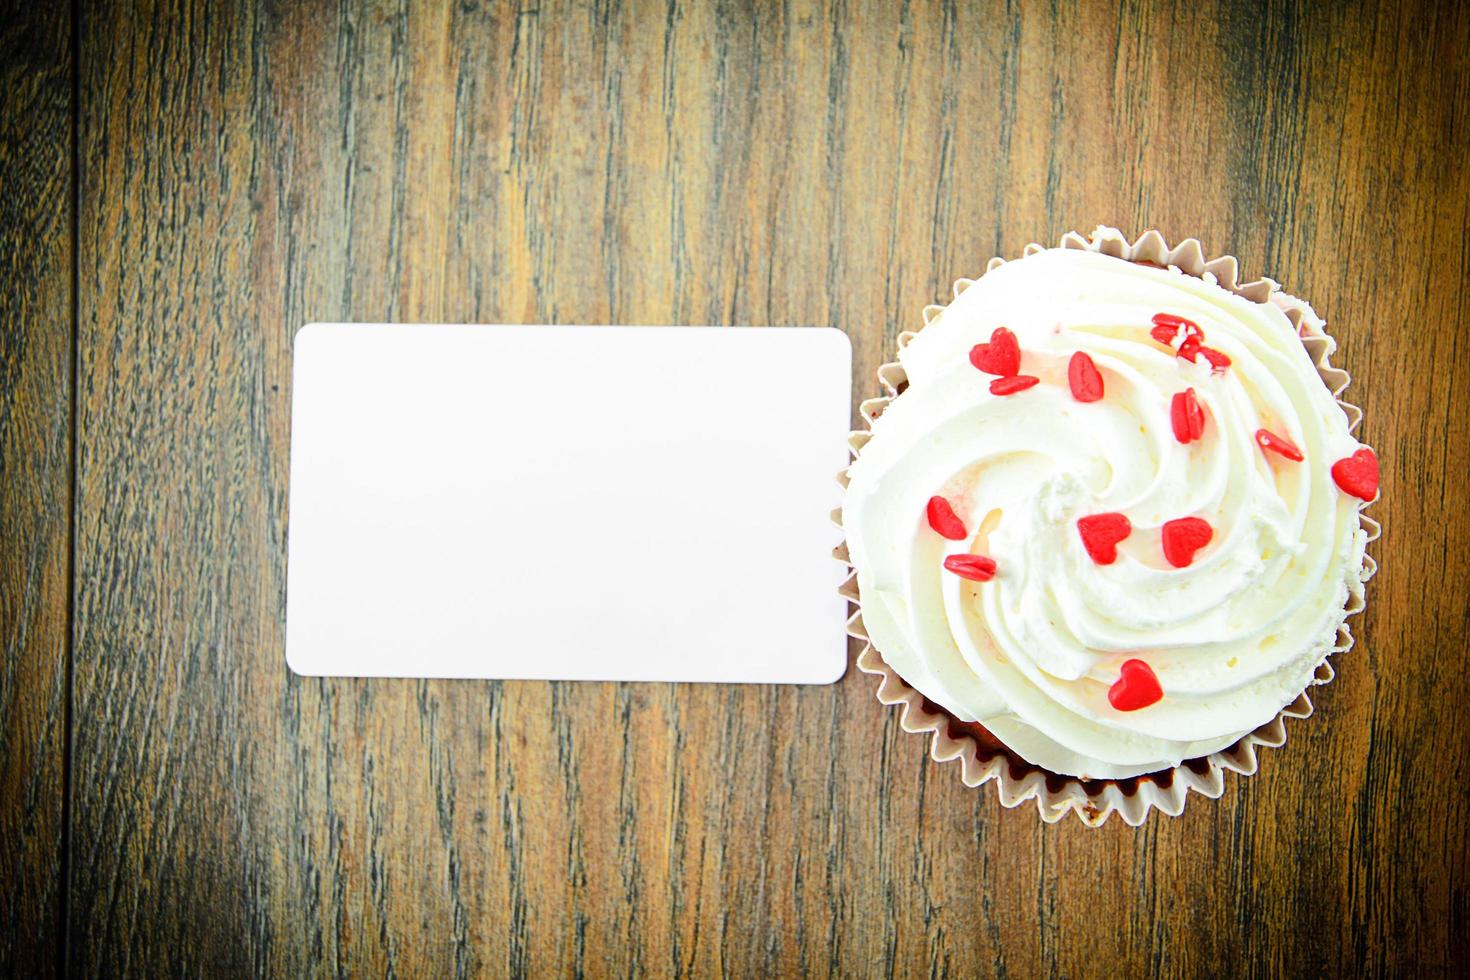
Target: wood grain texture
{"x": 36, "y": 319}
{"x": 246, "y": 169}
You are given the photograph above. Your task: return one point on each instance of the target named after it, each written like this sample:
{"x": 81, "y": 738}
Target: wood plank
{"x": 248, "y": 169}
{"x": 36, "y": 334}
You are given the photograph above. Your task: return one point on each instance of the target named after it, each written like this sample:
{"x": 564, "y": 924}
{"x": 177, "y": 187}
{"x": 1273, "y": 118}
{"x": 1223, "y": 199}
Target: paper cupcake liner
{"x": 1017, "y": 781}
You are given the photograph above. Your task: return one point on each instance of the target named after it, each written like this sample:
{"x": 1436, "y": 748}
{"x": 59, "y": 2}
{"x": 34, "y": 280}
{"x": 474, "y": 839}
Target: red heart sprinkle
{"x": 1084, "y": 378}
{"x": 976, "y": 568}
{"x": 1137, "y": 687}
{"x": 1009, "y": 386}
{"x": 1218, "y": 361}
{"x": 1183, "y": 537}
{"x": 1189, "y": 349}
{"x": 1186, "y": 416}
{"x": 1358, "y": 474}
{"x": 1001, "y": 356}
{"x": 1101, "y": 534}
{"x": 943, "y": 520}
{"x": 1164, "y": 335}
{"x": 1280, "y": 445}
{"x": 1173, "y": 322}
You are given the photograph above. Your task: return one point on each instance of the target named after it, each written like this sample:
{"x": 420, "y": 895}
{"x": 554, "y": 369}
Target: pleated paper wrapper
{"x": 1095, "y": 800}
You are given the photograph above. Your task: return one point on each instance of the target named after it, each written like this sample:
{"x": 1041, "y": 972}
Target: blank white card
{"x": 579, "y": 503}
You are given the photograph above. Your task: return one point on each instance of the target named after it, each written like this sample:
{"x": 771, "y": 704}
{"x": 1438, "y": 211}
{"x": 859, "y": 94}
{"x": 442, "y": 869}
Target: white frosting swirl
{"x": 1031, "y": 654}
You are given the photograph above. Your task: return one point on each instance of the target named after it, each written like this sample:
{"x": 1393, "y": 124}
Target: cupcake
{"x": 1106, "y": 528}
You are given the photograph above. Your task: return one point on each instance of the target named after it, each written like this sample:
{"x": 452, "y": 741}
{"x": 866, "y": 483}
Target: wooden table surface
{"x": 183, "y": 184}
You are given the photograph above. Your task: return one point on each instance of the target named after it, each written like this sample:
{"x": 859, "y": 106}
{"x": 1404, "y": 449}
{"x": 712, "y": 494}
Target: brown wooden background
{"x": 183, "y": 184}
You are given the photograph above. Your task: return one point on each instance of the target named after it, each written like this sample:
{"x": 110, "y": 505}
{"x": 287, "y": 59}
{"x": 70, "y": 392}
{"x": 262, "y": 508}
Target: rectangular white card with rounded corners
{"x": 567, "y": 503}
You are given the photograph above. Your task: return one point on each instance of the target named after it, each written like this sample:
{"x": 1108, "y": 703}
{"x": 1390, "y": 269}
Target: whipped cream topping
{"x": 1031, "y": 654}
